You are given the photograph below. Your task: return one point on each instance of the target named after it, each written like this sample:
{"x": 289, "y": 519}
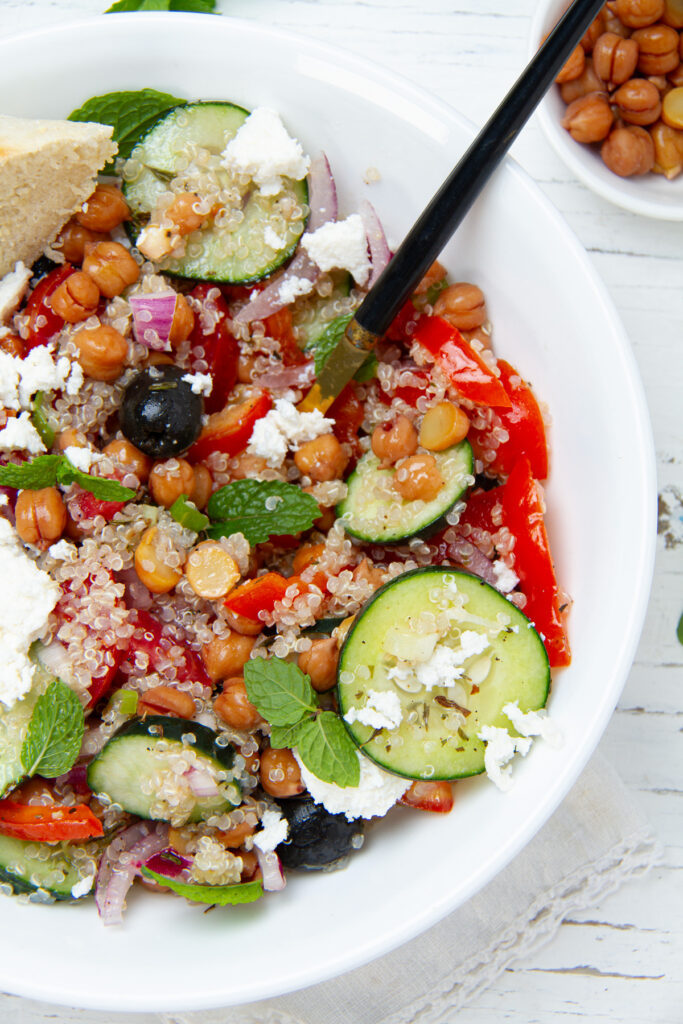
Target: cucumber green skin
{"x": 142, "y": 192}
{"x": 522, "y": 674}
{"x": 116, "y": 769}
{"x": 417, "y": 524}
{"x": 14, "y": 852}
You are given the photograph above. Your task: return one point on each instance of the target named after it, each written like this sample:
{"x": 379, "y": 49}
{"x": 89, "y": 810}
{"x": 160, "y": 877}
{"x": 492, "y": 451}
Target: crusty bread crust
{"x": 47, "y": 170}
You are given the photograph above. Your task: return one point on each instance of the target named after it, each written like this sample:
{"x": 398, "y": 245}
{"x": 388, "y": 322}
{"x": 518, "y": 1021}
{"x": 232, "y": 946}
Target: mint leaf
{"x": 188, "y": 515}
{"x": 327, "y": 750}
{"x": 199, "y": 6}
{"x": 279, "y": 690}
{"x": 55, "y": 732}
{"x": 129, "y": 113}
{"x": 40, "y": 419}
{"x": 220, "y": 895}
{"x": 100, "y": 487}
{"x": 31, "y": 476}
{"x": 324, "y": 345}
{"x": 367, "y": 370}
{"x": 284, "y": 736}
{"x": 260, "y": 509}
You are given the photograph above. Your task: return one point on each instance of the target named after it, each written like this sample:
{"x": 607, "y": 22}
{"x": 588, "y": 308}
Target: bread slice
{"x": 47, "y": 170}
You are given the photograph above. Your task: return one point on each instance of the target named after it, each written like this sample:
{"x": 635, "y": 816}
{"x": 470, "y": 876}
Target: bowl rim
{"x": 645, "y": 499}
{"x": 575, "y": 156}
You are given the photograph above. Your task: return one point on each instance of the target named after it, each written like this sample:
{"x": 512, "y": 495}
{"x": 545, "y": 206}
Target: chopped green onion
{"x": 125, "y": 702}
{"x": 40, "y": 421}
{"x": 188, "y": 515}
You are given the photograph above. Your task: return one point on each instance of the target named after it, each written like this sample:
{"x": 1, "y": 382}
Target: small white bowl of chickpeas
{"x": 615, "y": 114}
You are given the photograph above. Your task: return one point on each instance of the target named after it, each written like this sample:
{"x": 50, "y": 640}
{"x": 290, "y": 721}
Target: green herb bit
{"x": 679, "y": 630}
{"x": 215, "y": 895}
{"x": 327, "y": 750}
{"x": 188, "y": 515}
{"x": 198, "y": 6}
{"x": 125, "y": 702}
{"x": 279, "y": 690}
{"x": 48, "y": 470}
{"x": 260, "y": 509}
{"x": 39, "y": 419}
{"x": 55, "y": 732}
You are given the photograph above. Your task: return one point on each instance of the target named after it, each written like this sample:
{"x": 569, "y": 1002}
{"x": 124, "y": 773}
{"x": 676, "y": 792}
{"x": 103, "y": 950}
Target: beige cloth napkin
{"x": 595, "y": 841}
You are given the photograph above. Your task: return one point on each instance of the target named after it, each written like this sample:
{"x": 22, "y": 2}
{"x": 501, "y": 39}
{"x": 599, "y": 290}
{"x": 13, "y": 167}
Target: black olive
{"x": 316, "y": 838}
{"x": 160, "y": 414}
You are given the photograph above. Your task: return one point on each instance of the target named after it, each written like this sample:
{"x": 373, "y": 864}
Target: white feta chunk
{"x": 340, "y": 245}
{"x": 500, "y": 749}
{"x": 533, "y": 723}
{"x": 200, "y": 383}
{"x": 382, "y": 710}
{"x": 265, "y": 151}
{"x": 80, "y": 458}
{"x": 292, "y": 287}
{"x": 274, "y": 830}
{"x": 506, "y": 579}
{"x": 82, "y": 887}
{"x": 19, "y": 434}
{"x": 283, "y": 428}
{"x": 446, "y": 663}
{"x": 376, "y": 792}
{"x": 12, "y": 289}
{"x": 21, "y": 378}
{"x": 63, "y": 550}
{"x": 24, "y": 610}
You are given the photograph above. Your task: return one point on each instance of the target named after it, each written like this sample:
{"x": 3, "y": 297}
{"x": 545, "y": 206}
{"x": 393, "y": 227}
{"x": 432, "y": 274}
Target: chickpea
{"x": 482, "y": 336}
{"x": 111, "y": 267}
{"x": 279, "y": 773}
{"x": 130, "y": 458}
{"x": 169, "y": 479}
{"x": 673, "y": 13}
{"x": 434, "y": 275}
{"x": 672, "y": 109}
{"x": 12, "y": 345}
{"x": 245, "y": 367}
{"x": 76, "y": 298}
{"x": 104, "y": 210}
{"x": 368, "y": 573}
{"x": 628, "y": 151}
{"x": 612, "y": 24}
{"x": 73, "y": 239}
{"x": 463, "y": 305}
{"x": 251, "y": 870}
{"x": 226, "y": 655}
{"x": 247, "y": 467}
{"x": 182, "y": 213}
{"x": 573, "y": 67}
{"x": 676, "y": 77}
{"x": 593, "y": 32}
{"x": 614, "y": 58}
{"x": 152, "y": 570}
{"x": 581, "y": 86}
{"x": 234, "y": 707}
{"x": 418, "y": 478}
{"x": 71, "y": 438}
{"x": 668, "y": 143}
{"x": 589, "y": 119}
{"x": 638, "y": 102}
{"x": 210, "y": 570}
{"x": 394, "y": 439}
{"x": 40, "y": 515}
{"x": 183, "y": 321}
{"x": 319, "y": 662}
{"x": 203, "y": 486}
{"x": 322, "y": 459}
{"x": 234, "y": 837}
{"x": 444, "y": 425}
{"x": 102, "y": 352}
{"x": 166, "y": 700}
{"x": 637, "y": 13}
{"x": 658, "y": 49}
{"x": 242, "y": 625}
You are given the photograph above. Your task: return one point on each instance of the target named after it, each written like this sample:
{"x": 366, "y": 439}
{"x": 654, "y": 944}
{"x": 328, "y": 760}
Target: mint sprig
{"x": 214, "y": 895}
{"x": 198, "y": 6}
{"x": 48, "y": 470}
{"x": 260, "y": 509}
{"x": 283, "y": 695}
{"x": 55, "y": 732}
{"x": 324, "y": 345}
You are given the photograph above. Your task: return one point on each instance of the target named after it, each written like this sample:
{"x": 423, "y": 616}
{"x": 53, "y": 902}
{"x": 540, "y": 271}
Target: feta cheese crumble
{"x": 82, "y": 887}
{"x": 274, "y": 831}
{"x": 292, "y": 287}
{"x": 12, "y": 288}
{"x": 506, "y": 579}
{"x": 340, "y": 245}
{"x": 24, "y": 610}
{"x": 265, "y": 151}
{"x": 201, "y": 383}
{"x": 81, "y": 458}
{"x": 19, "y": 434}
{"x": 500, "y": 749}
{"x": 533, "y": 723}
{"x": 382, "y": 710}
{"x": 375, "y": 793}
{"x": 63, "y": 550}
{"x": 446, "y": 663}
{"x": 21, "y": 378}
{"x": 284, "y": 427}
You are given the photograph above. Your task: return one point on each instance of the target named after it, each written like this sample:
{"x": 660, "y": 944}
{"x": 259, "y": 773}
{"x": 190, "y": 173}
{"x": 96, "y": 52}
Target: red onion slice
{"x": 322, "y": 200}
{"x": 153, "y": 314}
{"x": 169, "y": 862}
{"x": 201, "y": 783}
{"x": 380, "y": 254}
{"x": 271, "y": 869}
{"x": 301, "y": 376}
{"x": 468, "y": 556}
{"x": 139, "y": 842}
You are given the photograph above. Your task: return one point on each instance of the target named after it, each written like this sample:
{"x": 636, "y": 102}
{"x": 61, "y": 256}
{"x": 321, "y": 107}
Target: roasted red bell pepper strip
{"x": 483, "y": 511}
{"x": 101, "y": 685}
{"x": 48, "y": 823}
{"x": 523, "y": 511}
{"x": 257, "y": 595}
{"x": 347, "y": 413}
{"x": 464, "y": 367}
{"x": 221, "y": 351}
{"x": 43, "y": 322}
{"x": 229, "y": 431}
{"x": 429, "y": 796}
{"x": 523, "y": 422}
{"x": 402, "y": 326}
{"x": 279, "y": 326}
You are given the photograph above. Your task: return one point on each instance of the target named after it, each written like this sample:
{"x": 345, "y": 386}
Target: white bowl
{"x": 553, "y": 319}
{"x": 652, "y": 195}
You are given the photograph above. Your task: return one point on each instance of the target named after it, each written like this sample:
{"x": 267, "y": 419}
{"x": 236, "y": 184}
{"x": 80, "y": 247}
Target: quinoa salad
{"x": 236, "y": 633}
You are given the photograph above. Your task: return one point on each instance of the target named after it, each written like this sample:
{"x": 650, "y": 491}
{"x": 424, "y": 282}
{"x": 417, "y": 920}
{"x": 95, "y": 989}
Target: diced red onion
{"x": 141, "y": 841}
{"x": 301, "y": 376}
{"x": 169, "y": 862}
{"x": 201, "y": 783}
{"x": 380, "y": 253}
{"x": 271, "y": 870}
{"x": 137, "y": 594}
{"x": 468, "y": 556}
{"x": 76, "y": 778}
{"x": 153, "y": 314}
{"x": 322, "y": 200}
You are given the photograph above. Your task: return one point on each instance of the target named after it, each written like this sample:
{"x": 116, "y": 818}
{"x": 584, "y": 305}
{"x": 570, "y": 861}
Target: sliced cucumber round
{"x": 263, "y": 239}
{"x": 439, "y": 653}
{"x": 51, "y": 876}
{"x": 374, "y": 511}
{"x": 138, "y": 769}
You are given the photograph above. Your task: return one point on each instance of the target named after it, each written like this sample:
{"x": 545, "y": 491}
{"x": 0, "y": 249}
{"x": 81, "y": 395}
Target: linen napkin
{"x": 595, "y": 841}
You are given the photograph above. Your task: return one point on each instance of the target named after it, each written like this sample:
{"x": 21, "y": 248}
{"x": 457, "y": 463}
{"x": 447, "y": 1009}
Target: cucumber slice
{"x": 407, "y": 643}
{"x": 218, "y": 252}
{"x": 14, "y": 725}
{"x": 373, "y": 510}
{"x": 136, "y": 767}
{"x": 38, "y": 868}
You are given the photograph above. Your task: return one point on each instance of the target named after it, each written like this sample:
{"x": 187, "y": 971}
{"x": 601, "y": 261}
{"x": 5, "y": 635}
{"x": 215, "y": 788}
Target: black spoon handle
{"x": 448, "y": 207}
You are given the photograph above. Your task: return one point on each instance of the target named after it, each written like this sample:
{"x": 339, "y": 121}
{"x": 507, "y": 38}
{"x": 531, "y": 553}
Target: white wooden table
{"x": 622, "y": 961}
